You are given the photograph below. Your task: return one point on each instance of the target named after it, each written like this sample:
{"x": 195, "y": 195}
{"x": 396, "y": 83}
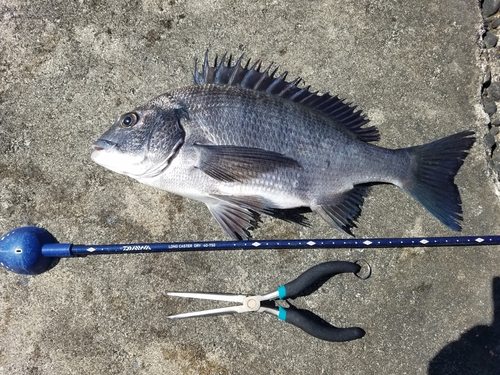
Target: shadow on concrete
{"x": 477, "y": 351}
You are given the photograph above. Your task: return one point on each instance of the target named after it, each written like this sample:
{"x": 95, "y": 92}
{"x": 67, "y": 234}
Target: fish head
{"x": 142, "y": 143}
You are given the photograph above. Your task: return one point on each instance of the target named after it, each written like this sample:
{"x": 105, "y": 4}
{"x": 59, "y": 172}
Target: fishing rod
{"x": 33, "y": 250}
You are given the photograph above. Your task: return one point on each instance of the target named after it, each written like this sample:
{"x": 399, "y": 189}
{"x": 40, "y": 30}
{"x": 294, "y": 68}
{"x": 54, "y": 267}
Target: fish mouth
{"x": 102, "y": 144}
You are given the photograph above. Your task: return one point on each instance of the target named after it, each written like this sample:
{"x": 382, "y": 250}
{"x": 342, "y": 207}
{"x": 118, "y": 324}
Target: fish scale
{"x": 248, "y": 143}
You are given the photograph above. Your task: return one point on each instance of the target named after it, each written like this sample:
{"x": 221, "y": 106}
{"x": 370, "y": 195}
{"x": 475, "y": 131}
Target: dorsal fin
{"x": 224, "y": 73}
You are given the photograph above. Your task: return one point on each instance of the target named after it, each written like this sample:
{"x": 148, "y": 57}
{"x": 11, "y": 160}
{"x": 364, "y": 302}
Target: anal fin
{"x": 342, "y": 210}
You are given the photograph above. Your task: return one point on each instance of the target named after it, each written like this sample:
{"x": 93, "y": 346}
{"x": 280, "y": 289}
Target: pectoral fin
{"x": 237, "y": 164}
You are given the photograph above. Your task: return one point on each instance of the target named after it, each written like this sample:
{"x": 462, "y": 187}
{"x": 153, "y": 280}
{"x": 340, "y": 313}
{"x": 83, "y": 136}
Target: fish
{"x": 248, "y": 142}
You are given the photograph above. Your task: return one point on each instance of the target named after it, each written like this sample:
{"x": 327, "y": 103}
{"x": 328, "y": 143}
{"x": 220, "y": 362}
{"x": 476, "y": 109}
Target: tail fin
{"x": 435, "y": 168}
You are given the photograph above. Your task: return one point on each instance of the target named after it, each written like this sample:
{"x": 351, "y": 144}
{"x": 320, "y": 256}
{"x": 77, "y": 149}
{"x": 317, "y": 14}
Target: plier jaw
{"x": 250, "y": 303}
{"x": 303, "y": 319}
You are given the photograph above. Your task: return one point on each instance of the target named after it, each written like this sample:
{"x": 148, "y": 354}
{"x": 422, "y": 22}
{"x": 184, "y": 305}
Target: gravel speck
{"x": 496, "y": 156}
{"x": 493, "y": 91}
{"x": 489, "y": 140}
{"x": 495, "y": 120}
{"x": 490, "y": 7}
{"x": 489, "y": 106}
{"x": 490, "y": 40}
{"x": 487, "y": 75}
{"x": 495, "y": 23}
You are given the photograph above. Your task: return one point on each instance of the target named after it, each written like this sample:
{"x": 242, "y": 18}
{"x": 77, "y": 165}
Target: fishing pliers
{"x": 303, "y": 319}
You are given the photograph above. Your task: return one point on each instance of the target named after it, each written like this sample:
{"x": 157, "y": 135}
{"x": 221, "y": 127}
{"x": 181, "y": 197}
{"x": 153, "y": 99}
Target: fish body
{"x": 247, "y": 143}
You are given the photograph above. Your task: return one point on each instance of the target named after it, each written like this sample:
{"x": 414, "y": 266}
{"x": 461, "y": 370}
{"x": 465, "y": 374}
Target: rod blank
{"x": 79, "y": 250}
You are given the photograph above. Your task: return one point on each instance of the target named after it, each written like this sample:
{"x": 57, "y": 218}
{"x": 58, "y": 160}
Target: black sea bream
{"x": 247, "y": 143}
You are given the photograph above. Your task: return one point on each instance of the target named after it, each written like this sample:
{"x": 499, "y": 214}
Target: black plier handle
{"x": 306, "y": 320}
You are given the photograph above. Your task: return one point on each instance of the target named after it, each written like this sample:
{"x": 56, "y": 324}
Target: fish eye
{"x": 129, "y": 120}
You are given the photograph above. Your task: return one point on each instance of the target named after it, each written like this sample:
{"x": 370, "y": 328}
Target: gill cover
{"x": 165, "y": 140}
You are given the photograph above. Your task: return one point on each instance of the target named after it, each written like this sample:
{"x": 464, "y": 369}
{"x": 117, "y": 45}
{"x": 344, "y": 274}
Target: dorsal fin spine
{"x": 249, "y": 73}
{"x": 289, "y": 86}
{"x": 262, "y": 77}
{"x": 295, "y": 96}
{"x": 235, "y": 70}
{"x": 318, "y": 100}
{"x": 340, "y": 110}
{"x": 330, "y": 106}
{"x": 222, "y": 60}
{"x": 205, "y": 62}
{"x": 205, "y": 65}
{"x": 276, "y": 82}
{"x": 311, "y": 95}
{"x": 219, "y": 70}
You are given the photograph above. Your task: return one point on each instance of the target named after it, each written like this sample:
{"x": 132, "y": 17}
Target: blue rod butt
{"x": 21, "y": 251}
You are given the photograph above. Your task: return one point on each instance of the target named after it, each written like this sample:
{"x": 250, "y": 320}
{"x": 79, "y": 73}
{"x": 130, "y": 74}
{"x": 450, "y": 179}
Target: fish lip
{"x": 102, "y": 144}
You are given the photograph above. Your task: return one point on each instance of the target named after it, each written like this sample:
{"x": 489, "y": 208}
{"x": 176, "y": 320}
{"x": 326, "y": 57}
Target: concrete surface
{"x": 68, "y": 69}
